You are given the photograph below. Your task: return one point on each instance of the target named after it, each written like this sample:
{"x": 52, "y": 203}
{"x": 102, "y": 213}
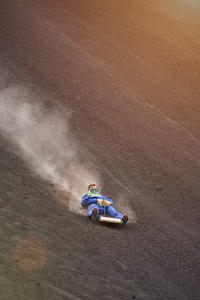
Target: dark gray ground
{"x": 125, "y": 76}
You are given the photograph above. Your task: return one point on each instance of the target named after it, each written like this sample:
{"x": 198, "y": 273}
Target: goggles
{"x": 94, "y": 189}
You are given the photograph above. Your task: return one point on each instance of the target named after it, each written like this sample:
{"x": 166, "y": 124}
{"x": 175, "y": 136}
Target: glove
{"x": 102, "y": 202}
{"x": 107, "y": 203}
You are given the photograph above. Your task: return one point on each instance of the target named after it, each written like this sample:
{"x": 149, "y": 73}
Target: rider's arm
{"x": 87, "y": 200}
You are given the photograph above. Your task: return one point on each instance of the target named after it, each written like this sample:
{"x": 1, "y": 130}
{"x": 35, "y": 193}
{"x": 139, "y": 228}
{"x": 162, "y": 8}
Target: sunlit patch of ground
{"x": 30, "y": 254}
{"x": 190, "y": 2}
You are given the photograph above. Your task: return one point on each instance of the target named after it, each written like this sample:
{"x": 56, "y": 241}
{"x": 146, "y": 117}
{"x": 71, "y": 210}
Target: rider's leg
{"x": 112, "y": 212}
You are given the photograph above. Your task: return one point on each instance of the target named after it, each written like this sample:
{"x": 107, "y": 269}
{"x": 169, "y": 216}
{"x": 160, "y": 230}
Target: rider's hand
{"x": 107, "y": 203}
{"x": 102, "y": 202}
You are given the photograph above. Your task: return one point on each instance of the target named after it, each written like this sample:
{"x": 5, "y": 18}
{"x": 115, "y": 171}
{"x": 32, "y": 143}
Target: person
{"x": 99, "y": 204}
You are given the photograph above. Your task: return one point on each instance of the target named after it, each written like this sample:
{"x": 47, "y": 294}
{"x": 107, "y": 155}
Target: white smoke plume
{"x": 44, "y": 141}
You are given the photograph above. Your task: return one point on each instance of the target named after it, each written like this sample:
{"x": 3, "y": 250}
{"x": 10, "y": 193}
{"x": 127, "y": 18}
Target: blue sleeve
{"x": 87, "y": 200}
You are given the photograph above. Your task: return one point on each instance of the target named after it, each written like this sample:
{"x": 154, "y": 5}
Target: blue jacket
{"x": 88, "y": 199}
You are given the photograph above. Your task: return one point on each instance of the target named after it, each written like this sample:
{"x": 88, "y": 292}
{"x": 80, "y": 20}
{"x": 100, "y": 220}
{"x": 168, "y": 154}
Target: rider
{"x": 98, "y": 203}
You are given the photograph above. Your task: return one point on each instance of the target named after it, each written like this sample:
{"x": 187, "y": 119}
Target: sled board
{"x": 100, "y": 218}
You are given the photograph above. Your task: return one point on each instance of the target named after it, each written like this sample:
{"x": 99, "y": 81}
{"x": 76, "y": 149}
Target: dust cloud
{"x": 42, "y": 138}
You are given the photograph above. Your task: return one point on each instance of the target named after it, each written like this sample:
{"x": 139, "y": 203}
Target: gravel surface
{"x": 106, "y": 92}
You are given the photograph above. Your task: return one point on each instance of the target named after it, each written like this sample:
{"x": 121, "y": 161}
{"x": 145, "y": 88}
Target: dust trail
{"x": 43, "y": 139}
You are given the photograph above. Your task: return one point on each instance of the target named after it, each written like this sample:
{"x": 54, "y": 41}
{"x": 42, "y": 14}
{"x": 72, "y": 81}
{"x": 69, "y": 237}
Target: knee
{"x": 90, "y": 208}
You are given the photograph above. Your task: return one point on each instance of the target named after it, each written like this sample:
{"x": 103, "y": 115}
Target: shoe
{"x": 124, "y": 219}
{"x": 94, "y": 211}
{"x": 94, "y": 214}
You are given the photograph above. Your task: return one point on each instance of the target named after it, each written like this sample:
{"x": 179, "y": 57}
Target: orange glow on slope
{"x": 190, "y": 2}
{"x": 185, "y": 9}
{"x": 30, "y": 254}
